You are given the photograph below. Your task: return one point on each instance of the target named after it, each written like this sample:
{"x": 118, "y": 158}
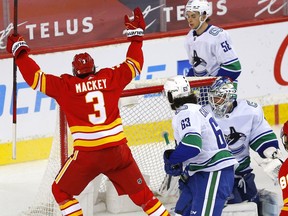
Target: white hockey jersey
{"x": 244, "y": 128}
{"x": 195, "y": 121}
{"x": 210, "y": 51}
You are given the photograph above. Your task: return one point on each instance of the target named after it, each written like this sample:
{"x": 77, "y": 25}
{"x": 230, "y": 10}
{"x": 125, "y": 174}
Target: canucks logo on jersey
{"x": 232, "y": 140}
{"x": 199, "y": 65}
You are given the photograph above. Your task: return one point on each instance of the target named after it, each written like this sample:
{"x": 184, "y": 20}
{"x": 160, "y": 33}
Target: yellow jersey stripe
{"x": 43, "y": 83}
{"x": 137, "y": 65}
{"x": 88, "y": 129}
{"x": 69, "y": 203}
{"x": 99, "y": 134}
{"x": 36, "y": 80}
{"x": 132, "y": 69}
{"x": 66, "y": 165}
{"x": 103, "y": 141}
{"x": 154, "y": 208}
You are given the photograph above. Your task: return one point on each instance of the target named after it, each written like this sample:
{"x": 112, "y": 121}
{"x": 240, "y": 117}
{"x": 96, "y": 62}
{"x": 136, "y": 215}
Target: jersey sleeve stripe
{"x": 132, "y": 69}
{"x": 43, "y": 83}
{"x": 39, "y": 82}
{"x": 135, "y": 63}
{"x": 36, "y": 80}
{"x": 134, "y": 66}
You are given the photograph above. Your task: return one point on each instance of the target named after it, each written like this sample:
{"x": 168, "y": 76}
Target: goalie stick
{"x": 14, "y": 118}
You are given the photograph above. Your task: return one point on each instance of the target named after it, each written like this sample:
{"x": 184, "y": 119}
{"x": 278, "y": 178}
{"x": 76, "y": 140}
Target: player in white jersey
{"x": 245, "y": 127}
{"x": 202, "y": 156}
{"x": 209, "y": 48}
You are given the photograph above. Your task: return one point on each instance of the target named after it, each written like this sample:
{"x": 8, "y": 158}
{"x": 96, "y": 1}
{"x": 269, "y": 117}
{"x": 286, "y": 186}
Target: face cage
{"x": 220, "y": 109}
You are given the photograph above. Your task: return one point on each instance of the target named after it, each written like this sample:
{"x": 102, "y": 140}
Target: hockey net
{"x": 146, "y": 117}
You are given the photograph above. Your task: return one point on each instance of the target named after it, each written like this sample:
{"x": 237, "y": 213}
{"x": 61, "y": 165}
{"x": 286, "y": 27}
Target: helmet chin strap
{"x": 201, "y": 23}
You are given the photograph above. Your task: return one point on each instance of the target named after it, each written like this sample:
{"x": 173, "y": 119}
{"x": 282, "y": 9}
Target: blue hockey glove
{"x": 171, "y": 169}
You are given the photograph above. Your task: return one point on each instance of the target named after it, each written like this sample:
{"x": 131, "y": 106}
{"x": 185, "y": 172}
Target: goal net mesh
{"x": 146, "y": 117}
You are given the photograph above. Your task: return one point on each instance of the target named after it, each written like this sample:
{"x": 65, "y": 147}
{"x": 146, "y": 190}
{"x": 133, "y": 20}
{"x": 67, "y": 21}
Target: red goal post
{"x": 146, "y": 116}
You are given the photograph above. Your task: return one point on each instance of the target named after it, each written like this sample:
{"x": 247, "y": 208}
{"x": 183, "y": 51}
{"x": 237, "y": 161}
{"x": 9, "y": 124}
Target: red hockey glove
{"x": 16, "y": 44}
{"x": 135, "y": 27}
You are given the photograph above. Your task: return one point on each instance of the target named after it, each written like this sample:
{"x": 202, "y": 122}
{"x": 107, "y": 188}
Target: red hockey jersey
{"x": 283, "y": 182}
{"x": 90, "y": 104}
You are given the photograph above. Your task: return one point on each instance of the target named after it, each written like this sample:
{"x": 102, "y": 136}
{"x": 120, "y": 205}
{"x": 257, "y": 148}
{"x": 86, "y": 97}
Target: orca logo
{"x": 232, "y": 140}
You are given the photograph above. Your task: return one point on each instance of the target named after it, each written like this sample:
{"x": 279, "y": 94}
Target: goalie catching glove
{"x": 16, "y": 44}
{"x": 171, "y": 169}
{"x": 135, "y": 26}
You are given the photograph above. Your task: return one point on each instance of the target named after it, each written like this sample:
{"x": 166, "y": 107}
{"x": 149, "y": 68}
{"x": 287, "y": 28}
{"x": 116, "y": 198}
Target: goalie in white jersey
{"x": 245, "y": 127}
{"x": 202, "y": 156}
{"x": 209, "y": 48}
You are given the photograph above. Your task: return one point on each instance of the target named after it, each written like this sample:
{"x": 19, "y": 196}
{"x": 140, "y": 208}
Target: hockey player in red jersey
{"x": 282, "y": 176}
{"x": 89, "y": 100}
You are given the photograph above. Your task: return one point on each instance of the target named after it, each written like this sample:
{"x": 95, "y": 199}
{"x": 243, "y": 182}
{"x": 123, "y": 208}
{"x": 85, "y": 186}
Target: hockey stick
{"x": 15, "y": 32}
{"x": 169, "y": 186}
{"x": 165, "y": 135}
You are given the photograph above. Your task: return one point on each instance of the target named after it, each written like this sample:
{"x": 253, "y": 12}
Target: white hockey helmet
{"x": 201, "y": 6}
{"x": 222, "y": 94}
{"x": 176, "y": 87}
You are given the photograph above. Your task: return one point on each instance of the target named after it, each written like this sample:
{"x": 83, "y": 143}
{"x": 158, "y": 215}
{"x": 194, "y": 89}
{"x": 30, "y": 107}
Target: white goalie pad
{"x": 271, "y": 167}
{"x": 169, "y": 186}
{"x": 269, "y": 203}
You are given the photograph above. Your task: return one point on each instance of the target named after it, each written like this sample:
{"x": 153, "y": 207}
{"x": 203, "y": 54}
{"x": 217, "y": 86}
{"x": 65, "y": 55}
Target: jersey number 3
{"x": 99, "y": 107}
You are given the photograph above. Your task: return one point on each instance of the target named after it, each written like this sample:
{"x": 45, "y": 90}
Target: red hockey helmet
{"x": 284, "y": 135}
{"x": 83, "y": 65}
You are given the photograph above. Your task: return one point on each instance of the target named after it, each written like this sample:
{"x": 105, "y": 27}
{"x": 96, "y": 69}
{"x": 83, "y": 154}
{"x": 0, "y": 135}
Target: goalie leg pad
{"x": 245, "y": 189}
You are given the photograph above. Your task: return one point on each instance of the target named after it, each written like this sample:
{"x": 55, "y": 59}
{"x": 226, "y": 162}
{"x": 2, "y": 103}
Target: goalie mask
{"x": 221, "y": 96}
{"x": 201, "y": 6}
{"x": 83, "y": 65}
{"x": 284, "y": 135}
{"x": 176, "y": 87}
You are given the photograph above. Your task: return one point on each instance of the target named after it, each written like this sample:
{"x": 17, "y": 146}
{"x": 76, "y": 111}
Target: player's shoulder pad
{"x": 66, "y": 76}
{"x": 184, "y": 107}
{"x": 252, "y": 104}
{"x": 214, "y": 30}
{"x": 252, "y": 107}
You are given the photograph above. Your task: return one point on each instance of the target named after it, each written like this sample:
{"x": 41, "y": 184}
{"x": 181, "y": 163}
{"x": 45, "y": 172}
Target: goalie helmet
{"x": 176, "y": 87}
{"x": 284, "y": 135}
{"x": 83, "y": 65}
{"x": 201, "y": 6}
{"x": 222, "y": 94}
